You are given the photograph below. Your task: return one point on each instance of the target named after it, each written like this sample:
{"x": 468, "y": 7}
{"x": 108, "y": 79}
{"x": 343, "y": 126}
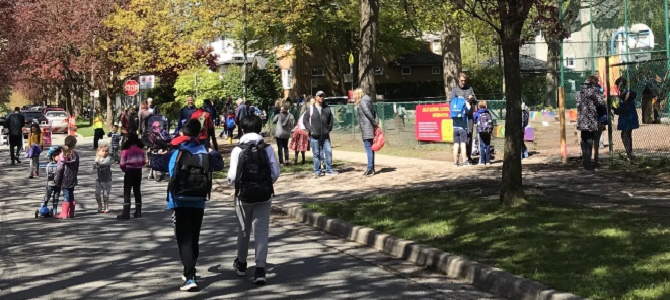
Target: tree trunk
{"x": 451, "y": 55}
{"x": 553, "y": 57}
{"x": 109, "y": 119}
{"x": 512, "y": 193}
{"x": 369, "y": 20}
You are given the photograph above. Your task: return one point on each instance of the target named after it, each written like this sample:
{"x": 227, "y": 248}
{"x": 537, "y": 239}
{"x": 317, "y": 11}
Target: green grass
{"x": 84, "y": 128}
{"x": 594, "y": 253}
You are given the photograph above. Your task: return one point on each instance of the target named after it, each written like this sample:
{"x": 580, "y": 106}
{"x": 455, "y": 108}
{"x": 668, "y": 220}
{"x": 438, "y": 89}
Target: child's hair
{"x": 192, "y": 128}
{"x": 37, "y": 131}
{"x": 251, "y": 123}
{"x": 482, "y": 104}
{"x": 115, "y": 127}
{"x": 101, "y": 148}
{"x": 68, "y": 146}
{"x": 286, "y": 106}
{"x": 133, "y": 139}
{"x": 230, "y": 112}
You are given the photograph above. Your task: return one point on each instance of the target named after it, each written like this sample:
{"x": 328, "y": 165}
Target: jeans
{"x": 53, "y": 193}
{"x": 370, "y": 153}
{"x": 320, "y": 148}
{"x": 282, "y": 147}
{"x": 484, "y": 148}
{"x": 587, "y": 147}
{"x": 35, "y": 164}
{"x": 132, "y": 180}
{"x": 68, "y": 194}
{"x": 187, "y": 222}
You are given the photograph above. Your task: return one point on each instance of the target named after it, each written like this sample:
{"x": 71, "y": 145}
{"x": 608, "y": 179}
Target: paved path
{"x": 95, "y": 256}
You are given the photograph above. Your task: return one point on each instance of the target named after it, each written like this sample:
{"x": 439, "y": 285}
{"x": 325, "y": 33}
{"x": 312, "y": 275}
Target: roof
{"x": 419, "y": 59}
{"x": 528, "y": 64}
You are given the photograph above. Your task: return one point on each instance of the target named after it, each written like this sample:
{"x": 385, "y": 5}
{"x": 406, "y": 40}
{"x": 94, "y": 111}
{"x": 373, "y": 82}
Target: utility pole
{"x": 244, "y": 74}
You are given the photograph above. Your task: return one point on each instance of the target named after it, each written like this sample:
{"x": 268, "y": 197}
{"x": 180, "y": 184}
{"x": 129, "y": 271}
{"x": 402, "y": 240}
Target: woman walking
{"x": 628, "y": 119}
{"x": 368, "y": 121}
{"x": 300, "y": 140}
{"x": 283, "y": 124}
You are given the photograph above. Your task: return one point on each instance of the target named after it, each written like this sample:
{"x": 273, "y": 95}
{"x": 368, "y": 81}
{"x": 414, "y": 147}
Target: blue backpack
{"x": 458, "y": 108}
{"x": 485, "y": 123}
{"x": 230, "y": 123}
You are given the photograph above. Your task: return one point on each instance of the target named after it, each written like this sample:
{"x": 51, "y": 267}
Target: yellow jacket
{"x": 34, "y": 139}
{"x": 97, "y": 122}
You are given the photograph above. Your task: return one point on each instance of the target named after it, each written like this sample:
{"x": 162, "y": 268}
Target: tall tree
{"x": 369, "y": 22}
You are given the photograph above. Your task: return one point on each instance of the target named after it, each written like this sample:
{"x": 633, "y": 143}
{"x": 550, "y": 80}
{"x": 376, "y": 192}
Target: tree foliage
{"x": 201, "y": 83}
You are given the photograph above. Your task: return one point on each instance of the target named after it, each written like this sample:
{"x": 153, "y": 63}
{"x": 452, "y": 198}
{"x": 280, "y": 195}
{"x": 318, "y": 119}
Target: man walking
{"x": 466, "y": 92}
{"x": 319, "y": 122}
{"x": 241, "y": 112}
{"x": 14, "y": 125}
{"x": 185, "y": 113}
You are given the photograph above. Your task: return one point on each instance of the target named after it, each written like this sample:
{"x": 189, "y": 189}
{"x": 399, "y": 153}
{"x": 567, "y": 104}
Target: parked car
{"x": 34, "y": 117}
{"x": 51, "y": 108}
{"x": 57, "y": 118}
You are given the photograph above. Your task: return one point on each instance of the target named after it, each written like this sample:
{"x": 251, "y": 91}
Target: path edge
{"x": 484, "y": 277}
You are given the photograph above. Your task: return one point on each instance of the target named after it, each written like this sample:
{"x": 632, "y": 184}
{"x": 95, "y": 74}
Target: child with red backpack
{"x": 484, "y": 125}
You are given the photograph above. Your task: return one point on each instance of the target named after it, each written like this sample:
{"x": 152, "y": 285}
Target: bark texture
{"x": 451, "y": 56}
{"x": 369, "y": 22}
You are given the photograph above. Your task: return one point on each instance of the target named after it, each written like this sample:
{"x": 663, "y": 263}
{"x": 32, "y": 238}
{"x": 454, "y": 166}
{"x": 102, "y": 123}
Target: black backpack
{"x": 253, "y": 183}
{"x": 191, "y": 179}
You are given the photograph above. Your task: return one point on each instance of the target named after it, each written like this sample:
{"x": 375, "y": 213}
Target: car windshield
{"x": 56, "y": 115}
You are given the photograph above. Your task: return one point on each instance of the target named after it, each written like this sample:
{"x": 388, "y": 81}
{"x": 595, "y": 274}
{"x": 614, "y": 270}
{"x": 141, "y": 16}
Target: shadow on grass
{"x": 594, "y": 253}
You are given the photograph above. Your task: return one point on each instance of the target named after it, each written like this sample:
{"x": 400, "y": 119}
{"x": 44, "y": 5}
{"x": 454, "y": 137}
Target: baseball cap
{"x": 320, "y": 93}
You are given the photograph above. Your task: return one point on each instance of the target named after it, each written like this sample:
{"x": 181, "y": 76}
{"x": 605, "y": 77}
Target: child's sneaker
{"x": 189, "y": 285}
{"x": 31, "y": 175}
{"x": 240, "y": 268}
{"x": 259, "y": 276}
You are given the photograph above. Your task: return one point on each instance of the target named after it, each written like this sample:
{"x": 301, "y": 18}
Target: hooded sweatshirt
{"x": 252, "y": 138}
{"x": 284, "y": 123}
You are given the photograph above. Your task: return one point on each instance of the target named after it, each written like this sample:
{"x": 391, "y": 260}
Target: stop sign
{"x": 131, "y": 88}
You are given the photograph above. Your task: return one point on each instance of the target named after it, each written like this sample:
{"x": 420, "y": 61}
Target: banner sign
{"x": 433, "y": 123}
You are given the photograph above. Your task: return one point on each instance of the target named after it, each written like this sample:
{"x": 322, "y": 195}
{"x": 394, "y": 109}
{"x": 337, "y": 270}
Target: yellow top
{"x": 34, "y": 139}
{"x": 97, "y": 122}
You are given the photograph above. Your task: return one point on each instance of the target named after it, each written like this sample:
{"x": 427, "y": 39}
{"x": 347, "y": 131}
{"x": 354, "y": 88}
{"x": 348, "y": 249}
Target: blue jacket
{"x": 479, "y": 113}
{"x": 627, "y": 111}
{"x": 166, "y": 163}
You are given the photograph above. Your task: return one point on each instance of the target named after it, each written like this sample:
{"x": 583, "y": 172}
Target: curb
{"x": 486, "y": 278}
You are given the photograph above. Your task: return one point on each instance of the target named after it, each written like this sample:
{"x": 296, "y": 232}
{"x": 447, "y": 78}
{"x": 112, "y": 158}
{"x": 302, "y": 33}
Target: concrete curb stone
{"x": 487, "y": 278}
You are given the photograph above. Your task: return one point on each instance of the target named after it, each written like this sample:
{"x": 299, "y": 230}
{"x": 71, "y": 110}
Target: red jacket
{"x": 206, "y": 122}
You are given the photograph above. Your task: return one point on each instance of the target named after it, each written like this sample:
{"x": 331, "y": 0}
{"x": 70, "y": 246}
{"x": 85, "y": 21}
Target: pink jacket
{"x": 132, "y": 158}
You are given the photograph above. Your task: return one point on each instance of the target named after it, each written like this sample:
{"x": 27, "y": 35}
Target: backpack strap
{"x": 238, "y": 172}
{"x": 261, "y": 147}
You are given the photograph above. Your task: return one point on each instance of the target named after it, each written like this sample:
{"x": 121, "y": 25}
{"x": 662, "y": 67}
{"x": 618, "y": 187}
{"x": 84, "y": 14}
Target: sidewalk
{"x": 96, "y": 256}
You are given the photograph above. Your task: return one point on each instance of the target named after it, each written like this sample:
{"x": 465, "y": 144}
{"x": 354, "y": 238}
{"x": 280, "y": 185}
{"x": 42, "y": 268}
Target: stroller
{"x": 157, "y": 139}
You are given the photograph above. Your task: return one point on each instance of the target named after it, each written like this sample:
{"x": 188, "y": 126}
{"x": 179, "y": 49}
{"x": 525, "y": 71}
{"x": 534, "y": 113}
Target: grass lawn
{"x": 594, "y": 253}
{"x": 84, "y": 127}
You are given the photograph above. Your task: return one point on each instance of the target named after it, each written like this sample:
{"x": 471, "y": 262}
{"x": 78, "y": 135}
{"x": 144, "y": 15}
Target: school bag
{"x": 485, "y": 123}
{"x": 253, "y": 183}
{"x": 191, "y": 179}
{"x": 230, "y": 123}
{"x": 458, "y": 107}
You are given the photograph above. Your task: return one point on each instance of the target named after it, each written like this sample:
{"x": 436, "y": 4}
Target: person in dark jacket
{"x": 14, "y": 124}
{"x": 466, "y": 92}
{"x": 319, "y": 122}
{"x": 185, "y": 113}
{"x": 589, "y": 98}
{"x": 368, "y": 121}
{"x": 241, "y": 112}
{"x": 211, "y": 109}
{"x": 628, "y": 119}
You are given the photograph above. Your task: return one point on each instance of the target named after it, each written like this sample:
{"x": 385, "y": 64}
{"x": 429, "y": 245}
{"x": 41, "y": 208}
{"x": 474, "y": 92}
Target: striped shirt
{"x": 132, "y": 158}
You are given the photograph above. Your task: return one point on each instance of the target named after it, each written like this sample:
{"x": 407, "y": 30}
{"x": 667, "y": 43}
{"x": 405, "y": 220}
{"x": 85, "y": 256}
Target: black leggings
{"x": 132, "y": 180}
{"x": 627, "y": 139}
{"x": 282, "y": 145}
{"x": 587, "y": 147}
{"x": 187, "y": 223}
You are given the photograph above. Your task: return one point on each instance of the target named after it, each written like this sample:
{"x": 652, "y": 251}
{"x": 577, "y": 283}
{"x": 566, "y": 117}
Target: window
{"x": 406, "y": 70}
{"x": 569, "y": 62}
{"x": 572, "y": 85}
{"x": 437, "y": 70}
{"x": 287, "y": 78}
{"x": 538, "y": 35}
{"x": 317, "y": 72}
{"x": 379, "y": 70}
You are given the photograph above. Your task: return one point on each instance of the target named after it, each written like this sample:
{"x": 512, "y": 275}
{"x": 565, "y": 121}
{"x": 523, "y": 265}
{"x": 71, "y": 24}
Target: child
{"x": 116, "y": 139}
{"x": 187, "y": 193}
{"x": 33, "y": 149}
{"x": 253, "y": 179}
{"x": 132, "y": 162}
{"x": 484, "y": 123}
{"x": 103, "y": 184}
{"x": 53, "y": 191}
{"x": 229, "y": 126}
{"x": 66, "y": 176}
{"x": 300, "y": 140}
{"x": 284, "y": 122}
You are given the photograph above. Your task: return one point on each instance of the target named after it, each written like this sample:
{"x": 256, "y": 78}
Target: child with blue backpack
{"x": 484, "y": 125}
{"x": 228, "y": 126}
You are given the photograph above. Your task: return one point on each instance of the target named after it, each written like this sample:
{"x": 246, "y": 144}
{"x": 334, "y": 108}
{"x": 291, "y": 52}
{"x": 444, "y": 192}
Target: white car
{"x": 57, "y": 118}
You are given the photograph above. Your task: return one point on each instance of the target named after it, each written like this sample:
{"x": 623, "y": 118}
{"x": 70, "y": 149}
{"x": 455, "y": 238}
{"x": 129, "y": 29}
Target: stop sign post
{"x": 131, "y": 88}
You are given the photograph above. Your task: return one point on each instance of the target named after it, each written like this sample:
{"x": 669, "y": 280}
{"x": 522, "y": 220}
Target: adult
{"x": 185, "y": 113}
{"x": 589, "y": 98}
{"x": 241, "y": 111}
{"x": 319, "y": 122}
{"x": 211, "y": 109}
{"x": 14, "y": 124}
{"x": 98, "y": 131}
{"x": 460, "y": 125}
{"x": 525, "y": 118}
{"x": 465, "y": 91}
{"x": 368, "y": 121}
{"x": 125, "y": 124}
{"x": 151, "y": 107}
{"x": 133, "y": 118}
{"x": 628, "y": 119}
{"x": 145, "y": 113}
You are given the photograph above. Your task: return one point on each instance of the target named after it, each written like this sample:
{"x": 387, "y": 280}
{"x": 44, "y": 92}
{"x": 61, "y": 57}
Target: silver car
{"x": 57, "y": 118}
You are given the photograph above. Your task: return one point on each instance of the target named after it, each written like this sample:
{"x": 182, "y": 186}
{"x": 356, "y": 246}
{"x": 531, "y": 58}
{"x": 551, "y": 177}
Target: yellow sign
{"x": 447, "y": 131}
{"x": 351, "y": 58}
